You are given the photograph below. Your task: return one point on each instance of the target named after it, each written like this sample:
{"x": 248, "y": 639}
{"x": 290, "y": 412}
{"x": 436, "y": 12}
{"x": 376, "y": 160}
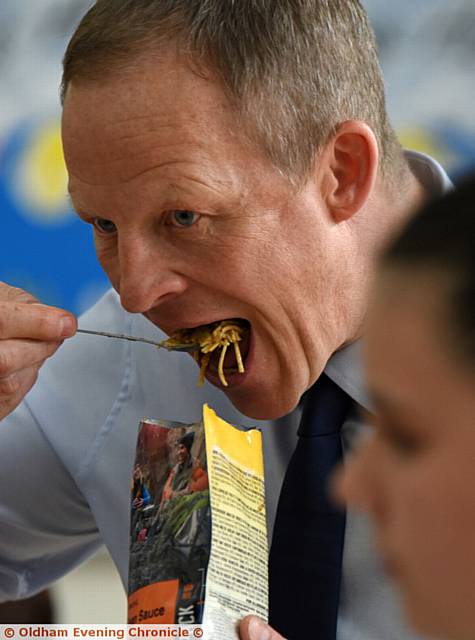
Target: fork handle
{"x": 121, "y": 336}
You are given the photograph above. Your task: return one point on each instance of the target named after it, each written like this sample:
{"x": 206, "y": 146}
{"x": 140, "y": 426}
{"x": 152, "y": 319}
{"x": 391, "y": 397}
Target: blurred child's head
{"x": 416, "y": 474}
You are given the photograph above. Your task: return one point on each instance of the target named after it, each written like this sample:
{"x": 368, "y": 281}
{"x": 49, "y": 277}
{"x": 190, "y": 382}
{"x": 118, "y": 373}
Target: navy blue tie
{"x": 307, "y": 545}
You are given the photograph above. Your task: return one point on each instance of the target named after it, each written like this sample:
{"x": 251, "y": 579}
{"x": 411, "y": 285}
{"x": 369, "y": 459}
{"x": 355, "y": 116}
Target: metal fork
{"x": 178, "y": 347}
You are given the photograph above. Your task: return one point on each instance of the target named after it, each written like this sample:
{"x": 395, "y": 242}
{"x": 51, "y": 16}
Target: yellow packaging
{"x": 198, "y": 545}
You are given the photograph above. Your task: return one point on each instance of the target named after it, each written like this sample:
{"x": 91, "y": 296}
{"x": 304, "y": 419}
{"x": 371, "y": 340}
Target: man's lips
{"x": 230, "y": 362}
{"x": 189, "y": 325}
{"x": 175, "y": 325}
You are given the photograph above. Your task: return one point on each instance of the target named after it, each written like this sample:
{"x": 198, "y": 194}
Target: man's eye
{"x": 183, "y": 218}
{"x": 106, "y": 227}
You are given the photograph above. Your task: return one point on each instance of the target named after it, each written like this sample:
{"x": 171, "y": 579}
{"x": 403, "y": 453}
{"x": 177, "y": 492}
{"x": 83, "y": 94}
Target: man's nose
{"x": 147, "y": 277}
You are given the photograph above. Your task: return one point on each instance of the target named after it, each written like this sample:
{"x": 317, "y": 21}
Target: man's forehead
{"x": 163, "y": 89}
{"x": 108, "y": 127}
{"x": 122, "y": 126}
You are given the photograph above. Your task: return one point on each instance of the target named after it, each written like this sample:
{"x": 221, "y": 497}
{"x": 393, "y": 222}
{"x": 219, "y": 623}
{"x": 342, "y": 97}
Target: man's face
{"x": 193, "y": 225}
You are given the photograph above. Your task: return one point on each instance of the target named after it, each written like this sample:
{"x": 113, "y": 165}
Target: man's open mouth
{"x": 222, "y": 346}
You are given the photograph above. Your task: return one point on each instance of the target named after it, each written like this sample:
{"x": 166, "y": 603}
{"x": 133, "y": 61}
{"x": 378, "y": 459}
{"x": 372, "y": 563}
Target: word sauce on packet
{"x": 198, "y": 538}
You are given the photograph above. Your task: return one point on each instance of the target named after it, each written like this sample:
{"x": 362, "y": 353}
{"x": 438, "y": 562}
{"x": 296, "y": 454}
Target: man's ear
{"x": 350, "y": 168}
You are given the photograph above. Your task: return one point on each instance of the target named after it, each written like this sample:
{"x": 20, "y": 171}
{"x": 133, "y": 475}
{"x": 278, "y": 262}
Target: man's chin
{"x": 261, "y": 405}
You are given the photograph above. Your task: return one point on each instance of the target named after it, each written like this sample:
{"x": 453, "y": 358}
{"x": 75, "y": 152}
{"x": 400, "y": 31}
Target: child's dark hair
{"x": 441, "y": 239}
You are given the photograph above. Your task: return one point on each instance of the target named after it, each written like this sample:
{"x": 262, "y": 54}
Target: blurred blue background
{"x": 427, "y": 51}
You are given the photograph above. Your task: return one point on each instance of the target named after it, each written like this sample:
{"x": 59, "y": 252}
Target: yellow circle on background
{"x": 41, "y": 180}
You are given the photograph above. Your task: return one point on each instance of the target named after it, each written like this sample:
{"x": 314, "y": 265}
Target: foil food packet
{"x": 198, "y": 539}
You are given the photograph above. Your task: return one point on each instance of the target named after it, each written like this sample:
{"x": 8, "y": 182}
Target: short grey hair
{"x": 293, "y": 69}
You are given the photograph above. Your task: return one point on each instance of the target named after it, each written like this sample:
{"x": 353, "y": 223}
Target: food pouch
{"x": 198, "y": 540}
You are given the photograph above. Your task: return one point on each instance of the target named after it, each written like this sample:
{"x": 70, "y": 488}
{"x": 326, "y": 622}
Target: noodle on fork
{"x": 209, "y": 338}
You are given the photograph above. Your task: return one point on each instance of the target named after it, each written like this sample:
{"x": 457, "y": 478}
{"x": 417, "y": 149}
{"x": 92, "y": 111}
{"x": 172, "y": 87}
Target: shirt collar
{"x": 345, "y": 368}
{"x": 429, "y": 173}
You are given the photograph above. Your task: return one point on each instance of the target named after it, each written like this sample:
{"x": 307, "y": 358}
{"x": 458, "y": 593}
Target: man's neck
{"x": 387, "y": 211}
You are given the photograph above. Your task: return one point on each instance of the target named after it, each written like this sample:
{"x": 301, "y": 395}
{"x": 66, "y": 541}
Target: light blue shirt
{"x": 67, "y": 454}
